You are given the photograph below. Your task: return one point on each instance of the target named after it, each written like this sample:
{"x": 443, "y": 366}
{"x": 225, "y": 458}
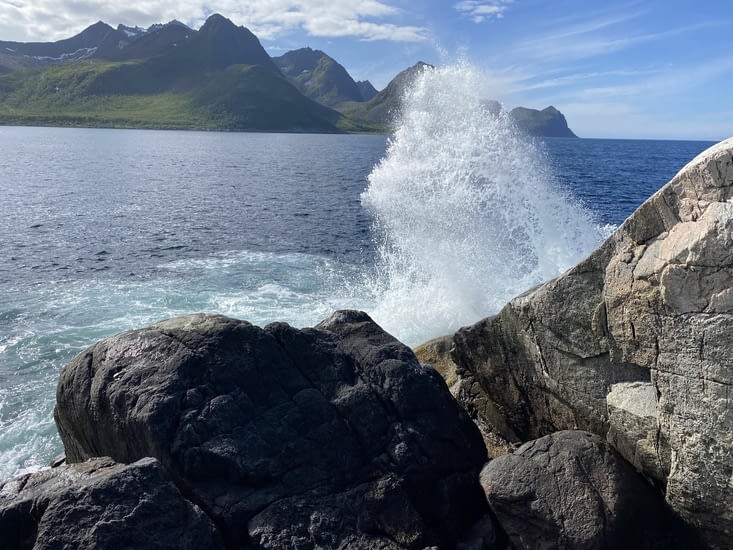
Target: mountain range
{"x": 218, "y": 77}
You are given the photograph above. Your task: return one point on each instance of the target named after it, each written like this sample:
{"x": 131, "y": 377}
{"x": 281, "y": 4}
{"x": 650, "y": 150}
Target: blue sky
{"x": 651, "y": 69}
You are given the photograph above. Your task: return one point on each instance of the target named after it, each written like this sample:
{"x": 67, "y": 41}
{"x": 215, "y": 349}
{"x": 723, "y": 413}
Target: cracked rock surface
{"x": 326, "y": 437}
{"x": 648, "y": 315}
{"x": 101, "y": 504}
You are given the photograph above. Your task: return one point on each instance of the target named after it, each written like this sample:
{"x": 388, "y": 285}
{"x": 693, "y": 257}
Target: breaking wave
{"x": 466, "y": 211}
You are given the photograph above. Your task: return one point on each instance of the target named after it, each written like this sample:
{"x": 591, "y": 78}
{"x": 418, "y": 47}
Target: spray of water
{"x": 466, "y": 211}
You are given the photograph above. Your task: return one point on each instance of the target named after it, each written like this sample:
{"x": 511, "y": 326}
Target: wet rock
{"x": 331, "y": 436}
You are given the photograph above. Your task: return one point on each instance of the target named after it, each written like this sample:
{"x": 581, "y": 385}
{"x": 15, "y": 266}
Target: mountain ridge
{"x": 19, "y": 55}
{"x": 383, "y": 107}
{"x": 318, "y": 76}
{"x": 218, "y": 77}
{"x": 126, "y": 43}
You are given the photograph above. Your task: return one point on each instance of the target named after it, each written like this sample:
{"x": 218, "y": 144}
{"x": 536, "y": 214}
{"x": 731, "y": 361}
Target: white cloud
{"x": 481, "y": 10}
{"x": 362, "y": 19}
{"x": 596, "y": 37}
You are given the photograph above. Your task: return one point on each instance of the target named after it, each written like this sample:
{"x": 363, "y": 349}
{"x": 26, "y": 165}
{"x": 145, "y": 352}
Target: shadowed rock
{"x": 569, "y": 490}
{"x": 436, "y": 354}
{"x": 331, "y": 436}
{"x": 101, "y": 504}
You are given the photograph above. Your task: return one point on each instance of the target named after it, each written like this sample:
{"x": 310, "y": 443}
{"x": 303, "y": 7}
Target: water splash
{"x": 466, "y": 211}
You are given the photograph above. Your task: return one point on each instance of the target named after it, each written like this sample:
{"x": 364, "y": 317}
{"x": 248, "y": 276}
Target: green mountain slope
{"x": 319, "y": 77}
{"x": 219, "y": 78}
{"x": 383, "y": 107}
{"x": 242, "y": 97}
{"x": 251, "y": 97}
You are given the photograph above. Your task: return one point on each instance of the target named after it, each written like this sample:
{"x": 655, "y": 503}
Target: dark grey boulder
{"x": 100, "y": 504}
{"x": 328, "y": 437}
{"x": 570, "y": 490}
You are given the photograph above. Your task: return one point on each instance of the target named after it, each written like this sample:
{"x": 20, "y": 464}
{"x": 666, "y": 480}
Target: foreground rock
{"x": 328, "y": 437}
{"x": 101, "y": 504}
{"x": 569, "y": 490}
{"x": 634, "y": 344}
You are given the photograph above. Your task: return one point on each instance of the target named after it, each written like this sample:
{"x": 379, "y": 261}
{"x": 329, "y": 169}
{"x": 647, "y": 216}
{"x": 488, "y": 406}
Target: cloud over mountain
{"x": 41, "y": 20}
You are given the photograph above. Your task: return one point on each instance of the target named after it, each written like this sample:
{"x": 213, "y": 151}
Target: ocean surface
{"x": 107, "y": 230}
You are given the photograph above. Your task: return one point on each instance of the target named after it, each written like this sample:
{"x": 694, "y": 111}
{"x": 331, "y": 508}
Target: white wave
{"x": 466, "y": 211}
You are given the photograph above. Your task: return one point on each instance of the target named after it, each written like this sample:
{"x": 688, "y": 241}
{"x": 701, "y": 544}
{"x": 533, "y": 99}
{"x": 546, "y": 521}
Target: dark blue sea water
{"x": 106, "y": 230}
{"x": 613, "y": 177}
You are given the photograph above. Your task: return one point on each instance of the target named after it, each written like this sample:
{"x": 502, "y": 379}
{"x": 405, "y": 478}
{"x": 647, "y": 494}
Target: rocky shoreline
{"x": 591, "y": 412}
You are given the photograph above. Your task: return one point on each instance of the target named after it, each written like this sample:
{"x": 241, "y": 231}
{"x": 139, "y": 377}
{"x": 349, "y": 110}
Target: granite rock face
{"x": 570, "y": 490}
{"x": 327, "y": 437}
{"x": 101, "y": 504}
{"x": 634, "y": 344}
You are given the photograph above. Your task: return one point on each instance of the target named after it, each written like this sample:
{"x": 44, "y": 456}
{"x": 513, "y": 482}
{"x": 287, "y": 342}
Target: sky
{"x": 616, "y": 69}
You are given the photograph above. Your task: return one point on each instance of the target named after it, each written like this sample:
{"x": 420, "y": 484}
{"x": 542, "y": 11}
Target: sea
{"x": 428, "y": 229}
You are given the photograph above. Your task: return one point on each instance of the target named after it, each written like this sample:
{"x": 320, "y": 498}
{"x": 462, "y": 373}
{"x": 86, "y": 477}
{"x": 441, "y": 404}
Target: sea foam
{"x": 466, "y": 211}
